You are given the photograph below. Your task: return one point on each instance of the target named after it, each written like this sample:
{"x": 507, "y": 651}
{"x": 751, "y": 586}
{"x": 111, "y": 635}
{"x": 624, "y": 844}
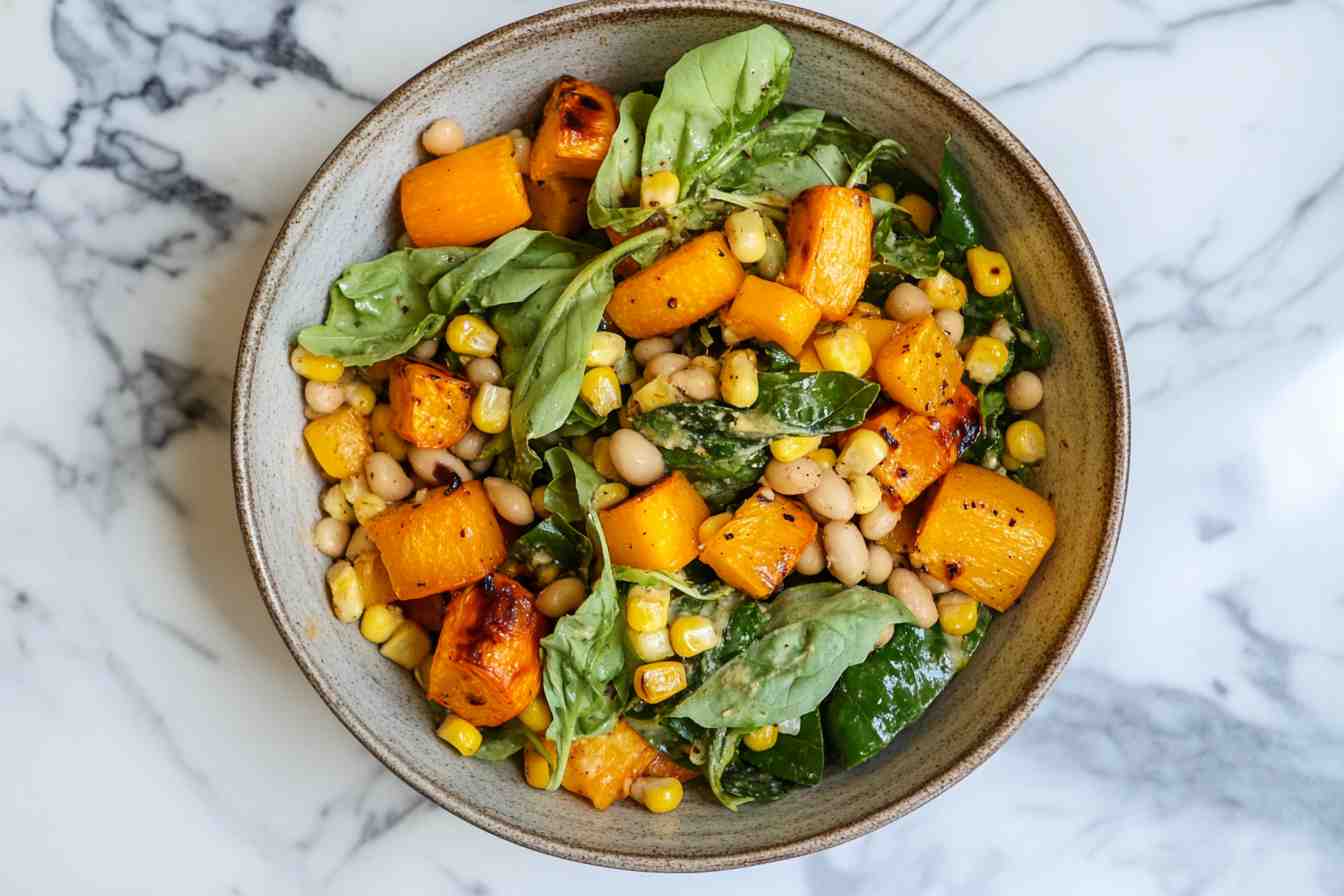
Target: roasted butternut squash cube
{"x": 431, "y": 406}
{"x": 427, "y": 612}
{"x": 656, "y": 529}
{"x": 559, "y": 204}
{"x": 760, "y": 546}
{"x": 487, "y": 666}
{"x": 678, "y": 289}
{"x": 340, "y": 441}
{"x": 601, "y": 769}
{"x": 876, "y": 330}
{"x": 923, "y": 448}
{"x": 448, "y": 542}
{"x": 901, "y": 540}
{"x": 663, "y": 767}
{"x": 830, "y": 243}
{"x": 576, "y": 129}
{"x": 768, "y": 311}
{"x": 984, "y": 534}
{"x": 918, "y": 366}
{"x": 374, "y": 582}
{"x": 465, "y": 198}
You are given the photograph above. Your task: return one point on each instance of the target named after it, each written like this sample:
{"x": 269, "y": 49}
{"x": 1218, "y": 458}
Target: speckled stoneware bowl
{"x": 348, "y": 212}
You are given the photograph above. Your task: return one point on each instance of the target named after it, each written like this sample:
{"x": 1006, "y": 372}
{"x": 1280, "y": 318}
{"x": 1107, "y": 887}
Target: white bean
{"x": 910, "y": 590}
{"x": 846, "y": 552}
{"x": 334, "y": 503}
{"x": 952, "y": 323}
{"x": 483, "y": 371}
{"x": 481, "y": 466}
{"x": 360, "y": 543}
{"x": 470, "y": 446}
{"x": 880, "y": 564}
{"x": 812, "y": 560}
{"x": 831, "y": 498}
{"x": 426, "y": 350}
{"x": 1024, "y": 391}
{"x": 1002, "y": 331}
{"x": 936, "y": 586}
{"x": 438, "y": 466}
{"x": 442, "y": 137}
{"x": 697, "y": 383}
{"x": 323, "y": 398}
{"x": 646, "y": 350}
{"x": 879, "y": 522}
{"x": 561, "y": 597}
{"x": 522, "y": 149}
{"x": 511, "y": 502}
{"x": 666, "y": 365}
{"x": 636, "y": 459}
{"x": 386, "y": 478}
{"x": 331, "y": 535}
{"x": 796, "y": 477}
{"x": 906, "y": 301}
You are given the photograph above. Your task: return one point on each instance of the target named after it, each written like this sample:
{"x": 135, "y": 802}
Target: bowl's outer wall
{"x": 349, "y": 214}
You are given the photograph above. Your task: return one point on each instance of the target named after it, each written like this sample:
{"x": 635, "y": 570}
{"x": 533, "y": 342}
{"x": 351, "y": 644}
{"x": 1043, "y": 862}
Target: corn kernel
{"x": 710, "y": 527}
{"x": 601, "y": 390}
{"x": 866, "y": 309}
{"x": 787, "y": 449}
{"x": 609, "y": 494}
{"x": 536, "y": 717}
{"x": 659, "y": 190}
{"x": 602, "y": 459}
{"x": 408, "y": 646}
{"x": 461, "y": 734}
{"x": 656, "y": 682}
{"x": 368, "y": 506}
{"x": 646, "y": 608}
{"x": 990, "y": 273}
{"x": 762, "y": 739}
{"x": 867, "y": 493}
{"x": 845, "y": 350}
{"x": 920, "y": 210}
{"x": 605, "y": 349}
{"x": 823, "y": 457}
{"x": 385, "y": 438}
{"x": 354, "y": 486}
{"x": 471, "y": 335}
{"x": 1025, "y": 441}
{"x": 361, "y": 397}
{"x": 322, "y": 368}
{"x": 987, "y": 360}
{"x": 957, "y": 613}
{"x": 864, "y": 451}
{"x": 650, "y": 646}
{"x": 347, "y": 598}
{"x": 536, "y": 767}
{"x": 490, "y": 408}
{"x": 945, "y": 292}
{"x": 379, "y": 622}
{"x": 656, "y": 393}
{"x": 692, "y": 635}
{"x": 335, "y": 505}
{"x": 658, "y": 795}
{"x": 739, "y": 382}
{"x": 746, "y": 235}
{"x": 882, "y": 191}
{"x": 539, "y": 502}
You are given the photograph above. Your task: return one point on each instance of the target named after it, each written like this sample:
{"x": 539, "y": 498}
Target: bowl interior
{"x": 499, "y": 82}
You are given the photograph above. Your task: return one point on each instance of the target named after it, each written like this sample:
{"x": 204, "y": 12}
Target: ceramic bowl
{"x": 348, "y": 212}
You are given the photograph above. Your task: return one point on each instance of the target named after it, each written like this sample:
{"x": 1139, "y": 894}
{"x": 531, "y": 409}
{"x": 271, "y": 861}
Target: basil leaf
{"x": 959, "y": 224}
{"x": 614, "y": 198}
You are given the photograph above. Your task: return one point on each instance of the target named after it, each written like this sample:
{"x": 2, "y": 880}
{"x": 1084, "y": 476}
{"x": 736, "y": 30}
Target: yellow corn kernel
{"x": 536, "y": 767}
{"x": 368, "y": 506}
{"x": 710, "y": 527}
{"x": 601, "y": 390}
{"x": 609, "y": 494}
{"x": 692, "y": 635}
{"x": 787, "y": 449}
{"x": 361, "y": 397}
{"x": 461, "y": 734}
{"x": 471, "y": 335}
{"x": 656, "y": 393}
{"x": 379, "y": 622}
{"x": 408, "y": 646}
{"x": 490, "y": 408}
{"x": 650, "y": 646}
{"x": 646, "y": 608}
{"x": 354, "y": 486}
{"x": 601, "y": 458}
{"x": 845, "y": 350}
{"x": 762, "y": 739}
{"x": 867, "y": 493}
{"x": 990, "y": 273}
{"x": 987, "y": 360}
{"x": 655, "y": 682}
{"x": 866, "y": 309}
{"x": 1025, "y": 441}
{"x": 882, "y": 191}
{"x": 957, "y": 613}
{"x": 739, "y": 382}
{"x": 605, "y": 349}
{"x": 539, "y": 502}
{"x": 659, "y": 190}
{"x": 536, "y": 717}
{"x": 823, "y": 457}
{"x": 945, "y": 292}
{"x": 347, "y": 598}
{"x": 864, "y": 451}
{"x": 323, "y": 368}
{"x": 658, "y": 795}
{"x": 920, "y": 210}
{"x": 335, "y": 505}
{"x": 385, "y": 438}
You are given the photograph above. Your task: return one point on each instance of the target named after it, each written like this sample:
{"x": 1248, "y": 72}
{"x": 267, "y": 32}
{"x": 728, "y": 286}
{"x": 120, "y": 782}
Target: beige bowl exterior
{"x": 348, "y": 212}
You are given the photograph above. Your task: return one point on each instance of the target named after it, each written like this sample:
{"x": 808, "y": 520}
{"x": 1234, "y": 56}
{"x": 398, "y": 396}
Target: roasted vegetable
{"x": 559, "y": 204}
{"x": 602, "y": 768}
{"x": 448, "y": 542}
{"x": 656, "y": 529}
{"x": 465, "y": 198}
{"x": 923, "y": 448}
{"x": 984, "y": 535}
{"x": 340, "y": 442}
{"x": 877, "y": 330}
{"x": 760, "y": 546}
{"x": 431, "y": 406}
{"x": 575, "y": 132}
{"x": 487, "y": 667}
{"x": 830, "y": 247}
{"x": 427, "y": 612}
{"x": 694, "y": 281}
{"x": 374, "y": 582}
{"x": 918, "y": 366}
{"x": 772, "y": 313}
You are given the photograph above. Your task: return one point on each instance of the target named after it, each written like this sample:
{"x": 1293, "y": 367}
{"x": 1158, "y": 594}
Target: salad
{"x": 688, "y": 439}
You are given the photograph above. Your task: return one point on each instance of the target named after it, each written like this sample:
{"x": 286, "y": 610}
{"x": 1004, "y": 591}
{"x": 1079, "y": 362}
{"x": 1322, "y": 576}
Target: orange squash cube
{"x": 340, "y": 441}
{"x": 431, "y": 406}
{"x": 603, "y": 768}
{"x": 465, "y": 198}
{"x": 830, "y": 243}
{"x": 374, "y": 582}
{"x": 656, "y": 529}
{"x": 984, "y": 534}
{"x": 678, "y": 289}
{"x": 774, "y": 313}
{"x": 918, "y": 366}
{"x": 924, "y": 448}
{"x": 876, "y": 330}
{"x": 576, "y": 130}
{"x": 559, "y": 204}
{"x": 760, "y": 546}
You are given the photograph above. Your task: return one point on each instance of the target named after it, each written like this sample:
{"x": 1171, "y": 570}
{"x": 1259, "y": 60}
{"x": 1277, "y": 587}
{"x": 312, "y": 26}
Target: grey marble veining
{"x": 160, "y": 740}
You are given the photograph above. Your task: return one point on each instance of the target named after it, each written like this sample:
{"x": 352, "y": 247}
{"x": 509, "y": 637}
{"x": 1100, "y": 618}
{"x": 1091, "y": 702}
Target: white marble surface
{"x": 157, "y": 736}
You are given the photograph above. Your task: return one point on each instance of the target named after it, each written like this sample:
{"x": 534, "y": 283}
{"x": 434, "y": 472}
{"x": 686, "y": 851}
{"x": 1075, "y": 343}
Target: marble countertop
{"x": 159, "y": 739}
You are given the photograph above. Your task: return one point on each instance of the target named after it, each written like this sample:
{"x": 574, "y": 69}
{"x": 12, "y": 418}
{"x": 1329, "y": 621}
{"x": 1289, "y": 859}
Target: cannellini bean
{"x": 906, "y": 301}
{"x": 666, "y": 364}
{"x": 1002, "y": 331}
{"x": 952, "y": 323}
{"x": 443, "y": 136}
{"x": 935, "y": 586}
{"x": 334, "y": 503}
{"x": 511, "y": 502}
{"x": 331, "y": 535}
{"x": 636, "y": 459}
{"x": 878, "y": 523}
{"x": 386, "y": 478}
{"x": 470, "y": 446}
{"x": 880, "y": 564}
{"x": 323, "y": 398}
{"x": 483, "y": 371}
{"x": 561, "y": 597}
{"x": 846, "y": 552}
{"x": 1024, "y": 391}
{"x": 831, "y": 498}
{"x": 522, "y": 149}
{"x": 646, "y": 350}
{"x": 697, "y": 383}
{"x": 910, "y": 590}
{"x": 438, "y": 466}
{"x": 812, "y": 560}
{"x": 796, "y": 477}
{"x": 426, "y": 350}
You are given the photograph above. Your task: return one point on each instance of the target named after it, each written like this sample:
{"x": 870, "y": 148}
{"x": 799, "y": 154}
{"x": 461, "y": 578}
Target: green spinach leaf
{"x": 506, "y": 740}
{"x": 1032, "y": 350}
{"x": 883, "y": 150}
{"x": 744, "y": 783}
{"x": 959, "y": 223}
{"x": 993, "y": 408}
{"x": 553, "y": 540}
{"x": 722, "y": 749}
{"x": 898, "y": 246}
{"x": 512, "y": 269}
{"x": 677, "y": 582}
{"x": 614, "y": 199}
{"x": 798, "y": 758}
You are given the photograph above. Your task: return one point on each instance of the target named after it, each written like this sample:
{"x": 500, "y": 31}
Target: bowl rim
{"x": 883, "y": 53}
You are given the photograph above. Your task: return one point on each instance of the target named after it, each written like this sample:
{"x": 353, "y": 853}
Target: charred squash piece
{"x": 427, "y": 612}
{"x": 576, "y": 129}
{"x": 774, "y": 313}
{"x": 760, "y": 546}
{"x": 692, "y": 282}
{"x": 431, "y": 406}
{"x": 487, "y": 666}
{"x": 923, "y": 448}
{"x": 601, "y": 769}
{"x": 918, "y": 366}
{"x": 657, "y": 528}
{"x": 465, "y": 198}
{"x": 340, "y": 441}
{"x": 830, "y": 244}
{"x": 559, "y": 204}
